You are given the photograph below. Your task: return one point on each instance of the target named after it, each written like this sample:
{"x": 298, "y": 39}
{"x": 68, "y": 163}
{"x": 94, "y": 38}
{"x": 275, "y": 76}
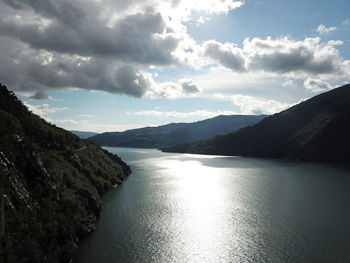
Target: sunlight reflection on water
{"x": 194, "y": 208}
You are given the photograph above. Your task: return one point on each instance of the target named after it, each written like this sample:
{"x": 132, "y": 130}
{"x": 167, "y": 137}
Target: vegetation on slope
{"x": 51, "y": 183}
{"x": 176, "y": 133}
{"x": 315, "y": 130}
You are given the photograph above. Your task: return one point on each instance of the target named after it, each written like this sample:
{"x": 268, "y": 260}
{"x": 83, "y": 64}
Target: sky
{"x": 113, "y": 65}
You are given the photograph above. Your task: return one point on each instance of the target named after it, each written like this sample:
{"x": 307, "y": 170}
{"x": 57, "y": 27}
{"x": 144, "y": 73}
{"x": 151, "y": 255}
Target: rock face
{"x": 51, "y": 183}
{"x": 315, "y": 130}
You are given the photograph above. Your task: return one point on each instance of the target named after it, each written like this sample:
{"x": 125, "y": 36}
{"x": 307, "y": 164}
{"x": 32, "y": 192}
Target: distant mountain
{"x": 176, "y": 133}
{"x": 51, "y": 184}
{"x": 83, "y": 134}
{"x": 315, "y": 130}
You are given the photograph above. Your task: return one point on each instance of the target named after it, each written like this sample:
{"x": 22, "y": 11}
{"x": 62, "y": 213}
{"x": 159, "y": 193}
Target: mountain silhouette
{"x": 317, "y": 130}
{"x": 176, "y": 133}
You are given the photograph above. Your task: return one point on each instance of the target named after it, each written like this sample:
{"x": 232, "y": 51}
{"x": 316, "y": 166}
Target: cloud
{"x": 139, "y": 38}
{"x": 212, "y": 6}
{"x": 188, "y": 86}
{"x": 48, "y": 50}
{"x": 112, "y": 45}
{"x": 201, "y": 20}
{"x": 279, "y": 56}
{"x": 317, "y": 85}
{"x": 226, "y": 54}
{"x": 177, "y": 114}
{"x": 86, "y": 115}
{"x": 254, "y": 105}
{"x": 322, "y": 29}
{"x": 44, "y": 109}
{"x": 182, "y": 88}
{"x": 182, "y": 9}
{"x": 289, "y": 83}
{"x": 288, "y": 56}
{"x": 97, "y": 45}
{"x": 335, "y": 43}
{"x": 40, "y": 95}
{"x": 43, "y": 71}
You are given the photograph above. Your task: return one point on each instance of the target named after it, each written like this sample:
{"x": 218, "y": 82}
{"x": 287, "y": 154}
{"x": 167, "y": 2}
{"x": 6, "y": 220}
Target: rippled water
{"x": 193, "y": 208}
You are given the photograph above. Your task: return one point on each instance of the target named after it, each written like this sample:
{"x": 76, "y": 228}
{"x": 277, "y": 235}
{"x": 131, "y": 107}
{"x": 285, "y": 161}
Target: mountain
{"x": 315, "y": 130}
{"x": 176, "y": 133}
{"x": 83, "y": 134}
{"x": 51, "y": 183}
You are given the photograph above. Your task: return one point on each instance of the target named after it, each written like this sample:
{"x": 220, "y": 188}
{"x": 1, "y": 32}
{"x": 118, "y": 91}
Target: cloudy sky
{"x": 111, "y": 65}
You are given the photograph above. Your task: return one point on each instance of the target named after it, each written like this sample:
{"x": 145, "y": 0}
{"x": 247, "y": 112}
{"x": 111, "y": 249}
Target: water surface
{"x": 195, "y": 208}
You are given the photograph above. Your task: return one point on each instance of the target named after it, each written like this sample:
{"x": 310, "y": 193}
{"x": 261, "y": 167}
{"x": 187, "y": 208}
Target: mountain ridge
{"x": 83, "y": 134}
{"x": 314, "y": 130}
{"x": 175, "y": 133}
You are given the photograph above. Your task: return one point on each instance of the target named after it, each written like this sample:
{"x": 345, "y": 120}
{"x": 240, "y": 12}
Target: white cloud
{"x": 182, "y": 9}
{"x": 289, "y": 83}
{"x": 172, "y": 90}
{"x": 322, "y": 29}
{"x": 317, "y": 85}
{"x": 253, "y": 105}
{"x": 220, "y": 79}
{"x": 335, "y": 43}
{"x": 202, "y": 20}
{"x": 86, "y": 115}
{"x": 44, "y": 109}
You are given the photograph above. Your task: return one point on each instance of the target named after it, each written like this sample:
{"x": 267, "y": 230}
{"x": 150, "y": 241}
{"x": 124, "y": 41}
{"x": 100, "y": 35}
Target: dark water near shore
{"x": 193, "y": 208}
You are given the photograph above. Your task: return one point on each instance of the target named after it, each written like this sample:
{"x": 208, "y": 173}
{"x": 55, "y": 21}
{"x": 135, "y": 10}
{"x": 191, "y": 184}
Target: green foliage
{"x": 53, "y": 181}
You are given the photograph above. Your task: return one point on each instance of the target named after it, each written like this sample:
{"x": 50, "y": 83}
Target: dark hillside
{"x": 51, "y": 184}
{"x": 315, "y": 130}
{"x": 176, "y": 133}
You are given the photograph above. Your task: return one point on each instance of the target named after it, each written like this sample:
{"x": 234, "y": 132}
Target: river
{"x": 196, "y": 208}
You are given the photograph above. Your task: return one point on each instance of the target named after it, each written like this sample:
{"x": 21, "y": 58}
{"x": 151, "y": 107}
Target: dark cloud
{"x": 63, "y": 11}
{"x": 38, "y": 71}
{"x": 317, "y": 85}
{"x": 40, "y": 95}
{"x": 284, "y": 56}
{"x": 288, "y": 56}
{"x": 58, "y": 44}
{"x": 227, "y": 55}
{"x": 188, "y": 86}
{"x": 131, "y": 38}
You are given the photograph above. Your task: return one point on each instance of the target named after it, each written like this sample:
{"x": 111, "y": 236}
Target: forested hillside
{"x": 51, "y": 184}
{"x": 315, "y": 130}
